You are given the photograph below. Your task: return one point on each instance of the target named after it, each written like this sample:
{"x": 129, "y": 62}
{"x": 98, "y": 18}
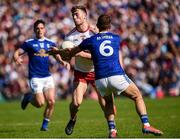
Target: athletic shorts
{"x": 39, "y": 85}
{"x": 113, "y": 84}
{"x": 85, "y": 77}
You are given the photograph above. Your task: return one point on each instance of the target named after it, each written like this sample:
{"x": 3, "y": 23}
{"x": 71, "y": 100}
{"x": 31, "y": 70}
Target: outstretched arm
{"x": 84, "y": 54}
{"x": 75, "y": 50}
{"x": 66, "y": 54}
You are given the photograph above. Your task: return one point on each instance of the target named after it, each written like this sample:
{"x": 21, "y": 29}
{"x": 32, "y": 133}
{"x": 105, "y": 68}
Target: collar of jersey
{"x": 103, "y": 32}
{"x": 41, "y": 39}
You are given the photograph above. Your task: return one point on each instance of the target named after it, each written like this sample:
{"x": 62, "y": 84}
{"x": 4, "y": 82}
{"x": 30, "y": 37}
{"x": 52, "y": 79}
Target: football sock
{"x": 111, "y": 125}
{"x": 72, "y": 122}
{"x": 45, "y": 123}
{"x": 144, "y": 120}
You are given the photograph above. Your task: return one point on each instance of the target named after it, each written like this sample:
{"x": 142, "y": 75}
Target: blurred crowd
{"x": 149, "y": 29}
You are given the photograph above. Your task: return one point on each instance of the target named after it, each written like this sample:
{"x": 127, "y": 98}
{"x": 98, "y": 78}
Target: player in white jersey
{"x": 40, "y": 79}
{"x": 84, "y": 70}
{"x": 110, "y": 76}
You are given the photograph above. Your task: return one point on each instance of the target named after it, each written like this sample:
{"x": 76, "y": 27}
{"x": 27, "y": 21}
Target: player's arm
{"x": 17, "y": 56}
{"x": 84, "y": 54}
{"x": 74, "y": 51}
{"x": 64, "y": 63}
{"x": 59, "y": 59}
{"x": 68, "y": 53}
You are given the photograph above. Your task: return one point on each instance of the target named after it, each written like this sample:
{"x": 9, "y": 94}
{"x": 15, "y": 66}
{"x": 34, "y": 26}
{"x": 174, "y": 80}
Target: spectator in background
{"x": 151, "y": 25}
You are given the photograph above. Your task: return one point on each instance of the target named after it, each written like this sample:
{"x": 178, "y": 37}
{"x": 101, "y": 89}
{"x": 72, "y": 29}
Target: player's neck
{"x": 103, "y": 31}
{"x": 83, "y": 27}
{"x": 40, "y": 38}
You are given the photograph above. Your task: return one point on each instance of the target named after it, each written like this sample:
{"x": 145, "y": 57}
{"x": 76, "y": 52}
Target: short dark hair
{"x": 37, "y": 22}
{"x": 78, "y": 7}
{"x": 104, "y": 22}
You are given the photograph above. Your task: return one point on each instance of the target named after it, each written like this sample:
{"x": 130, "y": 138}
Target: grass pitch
{"x": 163, "y": 114}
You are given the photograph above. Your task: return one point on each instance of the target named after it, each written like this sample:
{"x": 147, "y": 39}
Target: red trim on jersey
{"x": 91, "y": 29}
{"x": 92, "y": 32}
{"x": 73, "y": 30}
{"x": 85, "y": 77}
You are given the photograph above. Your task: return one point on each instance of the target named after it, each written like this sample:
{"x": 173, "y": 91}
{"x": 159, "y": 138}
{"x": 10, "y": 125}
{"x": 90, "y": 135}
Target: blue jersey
{"x": 104, "y": 48}
{"x": 37, "y": 51}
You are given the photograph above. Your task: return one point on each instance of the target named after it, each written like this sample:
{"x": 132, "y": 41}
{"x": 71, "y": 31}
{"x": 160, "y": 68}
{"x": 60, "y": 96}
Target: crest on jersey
{"x": 42, "y": 45}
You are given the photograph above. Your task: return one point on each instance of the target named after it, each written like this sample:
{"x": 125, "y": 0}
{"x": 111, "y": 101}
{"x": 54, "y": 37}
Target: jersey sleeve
{"x": 85, "y": 44}
{"x": 53, "y": 44}
{"x": 24, "y": 46}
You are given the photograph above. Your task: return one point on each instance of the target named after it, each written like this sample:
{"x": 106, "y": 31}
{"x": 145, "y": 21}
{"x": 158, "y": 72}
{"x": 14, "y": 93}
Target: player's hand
{"x": 19, "y": 60}
{"x": 66, "y": 65}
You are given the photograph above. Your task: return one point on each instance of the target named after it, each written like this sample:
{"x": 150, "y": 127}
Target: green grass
{"x": 15, "y": 123}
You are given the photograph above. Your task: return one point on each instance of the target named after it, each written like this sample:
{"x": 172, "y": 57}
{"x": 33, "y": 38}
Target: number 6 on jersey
{"x": 105, "y": 45}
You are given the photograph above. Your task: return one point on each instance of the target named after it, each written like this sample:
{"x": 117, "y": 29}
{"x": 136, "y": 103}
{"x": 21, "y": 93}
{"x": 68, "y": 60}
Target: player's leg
{"x": 77, "y": 98}
{"x": 133, "y": 93}
{"x": 49, "y": 95}
{"x": 110, "y": 115}
{"x": 26, "y": 99}
{"x": 121, "y": 83}
{"x": 91, "y": 79}
{"x": 106, "y": 96}
{"x": 36, "y": 98}
{"x": 50, "y": 100}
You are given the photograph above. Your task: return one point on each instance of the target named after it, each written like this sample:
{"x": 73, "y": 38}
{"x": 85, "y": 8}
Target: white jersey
{"x": 81, "y": 64}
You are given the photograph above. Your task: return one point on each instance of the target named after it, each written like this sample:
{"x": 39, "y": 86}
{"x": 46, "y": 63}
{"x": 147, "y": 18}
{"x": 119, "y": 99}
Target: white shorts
{"x": 113, "y": 84}
{"x": 39, "y": 85}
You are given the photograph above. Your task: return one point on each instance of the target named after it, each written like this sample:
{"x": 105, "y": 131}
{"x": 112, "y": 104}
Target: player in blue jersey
{"x": 40, "y": 79}
{"x": 110, "y": 76}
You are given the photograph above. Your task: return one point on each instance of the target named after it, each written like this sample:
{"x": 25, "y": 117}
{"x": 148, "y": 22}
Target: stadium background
{"x": 150, "y": 42}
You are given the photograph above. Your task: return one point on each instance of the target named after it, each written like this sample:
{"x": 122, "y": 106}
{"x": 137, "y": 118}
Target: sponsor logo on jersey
{"x": 42, "y": 53}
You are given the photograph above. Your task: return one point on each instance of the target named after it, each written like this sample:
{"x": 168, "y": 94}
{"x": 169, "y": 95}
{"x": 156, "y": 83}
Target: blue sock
{"x": 144, "y": 120}
{"x": 111, "y": 125}
{"x": 45, "y": 123}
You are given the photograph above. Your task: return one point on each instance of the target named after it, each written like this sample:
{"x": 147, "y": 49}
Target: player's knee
{"x": 136, "y": 95}
{"x": 51, "y": 103}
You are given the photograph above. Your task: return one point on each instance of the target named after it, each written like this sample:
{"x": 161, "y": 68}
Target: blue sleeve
{"x": 85, "y": 44}
{"x": 24, "y": 46}
{"x": 53, "y": 44}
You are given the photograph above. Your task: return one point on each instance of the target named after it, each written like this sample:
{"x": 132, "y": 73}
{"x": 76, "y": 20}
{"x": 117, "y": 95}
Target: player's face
{"x": 40, "y": 30}
{"x": 79, "y": 17}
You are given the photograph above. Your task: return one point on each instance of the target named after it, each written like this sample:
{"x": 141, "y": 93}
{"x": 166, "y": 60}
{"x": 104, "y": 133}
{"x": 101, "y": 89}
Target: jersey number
{"x": 105, "y": 46}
